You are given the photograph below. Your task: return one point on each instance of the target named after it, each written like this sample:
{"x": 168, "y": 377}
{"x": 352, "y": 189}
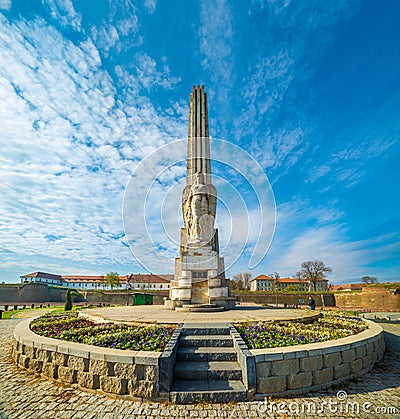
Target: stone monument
{"x": 199, "y": 281}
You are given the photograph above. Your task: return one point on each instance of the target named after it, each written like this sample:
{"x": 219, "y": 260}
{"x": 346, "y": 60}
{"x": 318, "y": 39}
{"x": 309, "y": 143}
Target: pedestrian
{"x": 311, "y": 303}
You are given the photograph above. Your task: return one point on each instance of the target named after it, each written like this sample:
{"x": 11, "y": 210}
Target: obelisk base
{"x": 199, "y": 280}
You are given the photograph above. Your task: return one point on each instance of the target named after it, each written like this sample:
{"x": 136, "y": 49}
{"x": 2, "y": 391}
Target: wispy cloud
{"x": 216, "y": 45}
{"x": 283, "y": 62}
{"x": 150, "y": 5}
{"x": 305, "y": 232}
{"x": 349, "y": 165}
{"x": 64, "y": 12}
{"x": 65, "y": 164}
{"x": 5, "y": 4}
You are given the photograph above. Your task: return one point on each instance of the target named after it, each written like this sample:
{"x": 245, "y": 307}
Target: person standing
{"x": 311, "y": 303}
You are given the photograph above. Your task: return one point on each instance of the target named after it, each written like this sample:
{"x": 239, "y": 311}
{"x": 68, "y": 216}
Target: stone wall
{"x": 148, "y": 375}
{"x": 311, "y": 367}
{"x": 113, "y": 371}
{"x": 288, "y": 298}
{"x": 33, "y": 293}
{"x": 24, "y": 293}
{"x": 379, "y": 299}
{"x": 122, "y": 298}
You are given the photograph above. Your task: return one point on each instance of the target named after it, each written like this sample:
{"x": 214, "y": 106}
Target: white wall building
{"x": 267, "y": 283}
{"x": 139, "y": 282}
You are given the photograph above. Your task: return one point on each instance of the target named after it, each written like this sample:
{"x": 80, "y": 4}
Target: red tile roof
{"x": 263, "y": 277}
{"x": 283, "y": 280}
{"x": 41, "y": 275}
{"x": 100, "y": 279}
{"x": 91, "y": 278}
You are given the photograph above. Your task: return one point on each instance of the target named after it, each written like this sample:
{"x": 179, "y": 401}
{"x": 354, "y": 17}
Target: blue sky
{"x": 310, "y": 89}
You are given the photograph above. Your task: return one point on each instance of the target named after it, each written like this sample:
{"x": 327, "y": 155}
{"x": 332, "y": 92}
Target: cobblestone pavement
{"x": 24, "y": 395}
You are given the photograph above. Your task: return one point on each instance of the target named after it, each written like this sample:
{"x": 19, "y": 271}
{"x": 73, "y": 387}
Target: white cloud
{"x": 318, "y": 172}
{"x": 150, "y": 5}
{"x": 67, "y": 159}
{"x": 64, "y": 12}
{"x": 119, "y": 29}
{"x": 306, "y": 233}
{"x": 216, "y": 45}
{"x": 283, "y": 61}
{"x": 349, "y": 165}
{"x": 149, "y": 76}
{"x": 5, "y": 4}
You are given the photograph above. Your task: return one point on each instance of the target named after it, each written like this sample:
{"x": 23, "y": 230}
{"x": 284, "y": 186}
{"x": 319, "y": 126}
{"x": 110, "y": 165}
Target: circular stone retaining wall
{"x": 311, "y": 367}
{"x": 148, "y": 375}
{"x": 114, "y": 371}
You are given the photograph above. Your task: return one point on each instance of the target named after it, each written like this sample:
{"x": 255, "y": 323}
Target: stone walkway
{"x": 158, "y": 314}
{"x": 24, "y": 395}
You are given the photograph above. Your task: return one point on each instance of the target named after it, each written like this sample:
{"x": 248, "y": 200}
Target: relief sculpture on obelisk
{"x": 199, "y": 207}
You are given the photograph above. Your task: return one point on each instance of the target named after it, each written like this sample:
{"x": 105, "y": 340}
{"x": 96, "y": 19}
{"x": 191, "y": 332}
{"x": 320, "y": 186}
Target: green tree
{"x": 369, "y": 279}
{"x": 292, "y": 288}
{"x": 312, "y": 271}
{"x": 112, "y": 279}
{"x": 68, "y": 301}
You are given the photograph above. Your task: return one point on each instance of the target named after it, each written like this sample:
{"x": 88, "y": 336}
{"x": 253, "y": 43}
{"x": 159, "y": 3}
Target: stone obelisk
{"x": 199, "y": 279}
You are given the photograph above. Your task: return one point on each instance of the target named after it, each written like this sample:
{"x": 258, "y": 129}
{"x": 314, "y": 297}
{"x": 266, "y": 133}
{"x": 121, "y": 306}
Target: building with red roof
{"x": 268, "y": 283}
{"x": 132, "y": 281}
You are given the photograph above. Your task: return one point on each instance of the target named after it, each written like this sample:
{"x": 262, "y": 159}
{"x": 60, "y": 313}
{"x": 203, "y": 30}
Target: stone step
{"x": 209, "y": 353}
{"x": 201, "y": 309}
{"x": 206, "y": 340}
{"x": 203, "y": 370}
{"x": 222, "y": 391}
{"x": 211, "y": 330}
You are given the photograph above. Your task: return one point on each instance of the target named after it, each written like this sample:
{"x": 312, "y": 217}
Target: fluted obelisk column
{"x": 198, "y": 160}
{"x": 199, "y": 271}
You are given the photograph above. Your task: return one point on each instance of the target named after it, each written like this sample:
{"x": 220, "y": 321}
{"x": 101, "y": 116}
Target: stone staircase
{"x": 207, "y": 368}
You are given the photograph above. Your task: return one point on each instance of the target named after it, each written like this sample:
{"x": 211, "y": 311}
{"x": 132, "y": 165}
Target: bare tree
{"x": 313, "y": 270}
{"x": 369, "y": 279}
{"x": 246, "y": 280}
{"x": 241, "y": 281}
{"x": 276, "y": 277}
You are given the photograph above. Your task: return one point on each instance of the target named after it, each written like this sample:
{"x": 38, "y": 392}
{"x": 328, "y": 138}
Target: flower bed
{"x": 278, "y": 334}
{"x": 71, "y": 327}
